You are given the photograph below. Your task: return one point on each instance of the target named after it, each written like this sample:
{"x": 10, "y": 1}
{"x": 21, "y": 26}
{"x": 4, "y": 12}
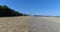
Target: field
{"x": 29, "y": 24}
{"x": 14, "y": 24}
{"x": 44, "y": 24}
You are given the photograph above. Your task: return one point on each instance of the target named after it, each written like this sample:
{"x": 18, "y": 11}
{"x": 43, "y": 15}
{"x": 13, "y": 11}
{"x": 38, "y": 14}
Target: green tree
{"x": 6, "y": 11}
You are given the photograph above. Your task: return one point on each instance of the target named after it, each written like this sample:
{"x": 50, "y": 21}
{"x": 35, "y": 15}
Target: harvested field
{"x": 44, "y": 24}
{"x": 14, "y": 24}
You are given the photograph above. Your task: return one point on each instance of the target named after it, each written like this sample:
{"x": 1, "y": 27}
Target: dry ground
{"x": 53, "y": 19}
{"x": 44, "y": 24}
{"x": 29, "y": 24}
{"x": 14, "y": 24}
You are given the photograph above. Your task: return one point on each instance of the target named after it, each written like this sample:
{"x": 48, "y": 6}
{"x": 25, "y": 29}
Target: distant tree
{"x": 25, "y": 15}
{"x": 6, "y": 11}
{"x": 35, "y": 15}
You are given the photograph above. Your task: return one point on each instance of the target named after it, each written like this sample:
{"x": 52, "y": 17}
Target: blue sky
{"x": 32, "y": 7}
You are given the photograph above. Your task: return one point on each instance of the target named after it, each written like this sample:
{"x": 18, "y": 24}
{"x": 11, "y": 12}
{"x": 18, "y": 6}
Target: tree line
{"x": 5, "y": 11}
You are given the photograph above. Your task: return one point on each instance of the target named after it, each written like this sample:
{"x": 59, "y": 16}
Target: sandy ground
{"x": 54, "y": 19}
{"x": 44, "y": 24}
{"x": 29, "y": 24}
{"x": 14, "y": 24}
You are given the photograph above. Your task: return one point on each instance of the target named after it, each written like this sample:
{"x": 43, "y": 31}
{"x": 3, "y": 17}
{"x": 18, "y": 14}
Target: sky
{"x": 34, "y": 7}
